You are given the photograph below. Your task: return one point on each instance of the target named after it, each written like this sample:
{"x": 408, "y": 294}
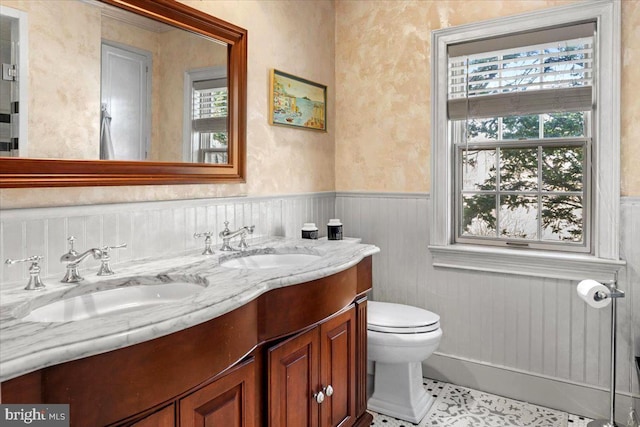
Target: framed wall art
{"x": 297, "y": 102}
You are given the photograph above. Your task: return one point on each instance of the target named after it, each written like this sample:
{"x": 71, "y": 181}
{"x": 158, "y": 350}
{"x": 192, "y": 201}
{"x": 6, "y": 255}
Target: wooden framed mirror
{"x": 44, "y": 171}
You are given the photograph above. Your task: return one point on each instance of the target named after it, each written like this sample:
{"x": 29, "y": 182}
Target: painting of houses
{"x": 297, "y": 102}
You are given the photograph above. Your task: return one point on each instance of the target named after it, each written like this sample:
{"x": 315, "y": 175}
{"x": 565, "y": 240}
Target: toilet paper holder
{"x": 614, "y": 292}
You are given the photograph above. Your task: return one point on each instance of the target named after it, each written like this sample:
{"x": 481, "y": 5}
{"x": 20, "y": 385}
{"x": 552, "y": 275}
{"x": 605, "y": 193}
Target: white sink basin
{"x": 112, "y": 301}
{"x": 259, "y": 261}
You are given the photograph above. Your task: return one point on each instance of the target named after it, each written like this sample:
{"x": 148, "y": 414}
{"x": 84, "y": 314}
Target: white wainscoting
{"x": 498, "y": 329}
{"x": 149, "y": 228}
{"x": 522, "y": 325}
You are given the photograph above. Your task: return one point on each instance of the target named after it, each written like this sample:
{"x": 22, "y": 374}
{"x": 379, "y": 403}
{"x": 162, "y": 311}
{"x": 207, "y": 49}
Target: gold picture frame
{"x": 297, "y": 102}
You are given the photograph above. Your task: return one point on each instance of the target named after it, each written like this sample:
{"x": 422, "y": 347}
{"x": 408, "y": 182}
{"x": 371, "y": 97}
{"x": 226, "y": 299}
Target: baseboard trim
{"x": 579, "y": 399}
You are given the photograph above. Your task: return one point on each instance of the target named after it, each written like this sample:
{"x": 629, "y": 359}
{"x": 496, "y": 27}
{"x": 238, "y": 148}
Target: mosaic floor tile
{"x": 457, "y": 406}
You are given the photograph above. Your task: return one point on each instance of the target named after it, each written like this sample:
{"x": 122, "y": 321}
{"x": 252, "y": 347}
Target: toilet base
{"x": 398, "y": 392}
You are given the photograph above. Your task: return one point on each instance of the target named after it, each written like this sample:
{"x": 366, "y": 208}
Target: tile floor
{"x": 463, "y": 407}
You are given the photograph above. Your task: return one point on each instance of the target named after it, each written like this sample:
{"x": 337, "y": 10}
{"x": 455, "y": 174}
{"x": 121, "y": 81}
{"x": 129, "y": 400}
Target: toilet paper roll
{"x": 587, "y": 291}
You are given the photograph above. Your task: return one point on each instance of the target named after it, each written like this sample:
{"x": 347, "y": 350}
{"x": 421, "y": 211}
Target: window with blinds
{"x": 209, "y": 121}
{"x": 519, "y": 111}
{"x": 551, "y": 76}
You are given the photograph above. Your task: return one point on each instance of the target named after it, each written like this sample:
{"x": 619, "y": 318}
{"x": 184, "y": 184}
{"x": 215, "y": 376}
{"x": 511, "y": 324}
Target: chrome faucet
{"x": 226, "y": 235}
{"x": 73, "y": 260}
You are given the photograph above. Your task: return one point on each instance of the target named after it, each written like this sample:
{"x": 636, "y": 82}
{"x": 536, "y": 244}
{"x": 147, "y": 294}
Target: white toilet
{"x": 400, "y": 337}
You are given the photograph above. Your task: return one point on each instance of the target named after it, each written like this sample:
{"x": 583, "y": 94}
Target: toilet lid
{"x": 400, "y": 319}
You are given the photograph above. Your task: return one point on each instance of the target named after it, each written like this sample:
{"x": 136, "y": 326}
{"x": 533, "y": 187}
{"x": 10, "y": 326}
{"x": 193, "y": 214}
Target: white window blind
{"x": 210, "y": 105}
{"x": 540, "y": 72}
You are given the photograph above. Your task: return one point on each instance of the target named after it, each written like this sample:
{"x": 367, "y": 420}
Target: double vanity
{"x": 274, "y": 335}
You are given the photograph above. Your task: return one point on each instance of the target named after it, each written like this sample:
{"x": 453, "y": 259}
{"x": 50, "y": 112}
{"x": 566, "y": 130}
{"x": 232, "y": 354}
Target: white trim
{"x": 606, "y": 174}
{"x": 106, "y": 208}
{"x": 557, "y": 265}
{"x": 382, "y": 195}
{"x": 586, "y": 400}
{"x": 631, "y": 200}
{"x": 23, "y": 76}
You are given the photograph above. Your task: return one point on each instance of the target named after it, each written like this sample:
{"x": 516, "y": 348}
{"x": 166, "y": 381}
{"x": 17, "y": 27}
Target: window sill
{"x": 527, "y": 263}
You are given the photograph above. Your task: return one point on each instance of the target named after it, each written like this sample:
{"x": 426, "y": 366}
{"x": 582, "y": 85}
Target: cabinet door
{"x": 338, "y": 370}
{"x": 165, "y": 417}
{"x": 293, "y": 379}
{"x": 226, "y": 402}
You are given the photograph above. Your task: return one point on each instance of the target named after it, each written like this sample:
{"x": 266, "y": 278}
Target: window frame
{"x": 198, "y": 136}
{"x": 603, "y": 262}
{"x": 539, "y": 144}
{"x": 190, "y": 153}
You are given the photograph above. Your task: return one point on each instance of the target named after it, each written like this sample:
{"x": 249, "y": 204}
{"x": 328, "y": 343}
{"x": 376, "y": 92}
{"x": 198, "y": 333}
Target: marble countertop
{"x": 28, "y": 346}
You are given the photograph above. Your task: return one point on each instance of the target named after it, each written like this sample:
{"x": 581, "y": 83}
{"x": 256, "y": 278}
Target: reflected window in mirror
{"x": 207, "y": 139}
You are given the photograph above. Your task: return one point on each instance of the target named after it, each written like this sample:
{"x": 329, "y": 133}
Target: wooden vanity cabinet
{"x": 293, "y": 377}
{"x": 256, "y": 366}
{"x": 338, "y": 370}
{"x": 165, "y": 417}
{"x": 312, "y": 376}
{"x": 229, "y": 401}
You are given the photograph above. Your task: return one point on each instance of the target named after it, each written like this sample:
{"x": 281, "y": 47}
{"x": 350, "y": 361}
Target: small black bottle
{"x": 309, "y": 231}
{"x": 334, "y": 229}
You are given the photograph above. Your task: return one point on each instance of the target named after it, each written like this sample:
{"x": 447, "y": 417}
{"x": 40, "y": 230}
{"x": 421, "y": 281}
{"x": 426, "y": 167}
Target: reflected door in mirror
{"x": 125, "y": 92}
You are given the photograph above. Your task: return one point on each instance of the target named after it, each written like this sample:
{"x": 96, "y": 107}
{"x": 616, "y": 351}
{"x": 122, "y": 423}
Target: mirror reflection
{"x": 107, "y": 84}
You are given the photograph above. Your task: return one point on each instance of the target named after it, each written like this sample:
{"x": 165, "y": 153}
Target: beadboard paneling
{"x": 525, "y": 324}
{"x": 149, "y": 229}
{"x": 529, "y": 324}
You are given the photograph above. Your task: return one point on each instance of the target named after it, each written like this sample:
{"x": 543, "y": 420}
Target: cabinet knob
{"x": 319, "y": 397}
{"x": 328, "y": 390}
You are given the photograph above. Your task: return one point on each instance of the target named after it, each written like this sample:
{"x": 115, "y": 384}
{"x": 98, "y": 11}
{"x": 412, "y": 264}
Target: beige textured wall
{"x": 296, "y": 37}
{"x": 380, "y": 139}
{"x": 630, "y": 108}
{"x": 293, "y": 36}
{"x": 383, "y": 87}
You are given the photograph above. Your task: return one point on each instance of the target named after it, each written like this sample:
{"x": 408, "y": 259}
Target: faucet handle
{"x": 207, "y": 241}
{"x": 243, "y": 243}
{"x": 224, "y": 233}
{"x": 35, "y": 283}
{"x": 108, "y": 248}
{"x": 105, "y": 258}
{"x": 71, "y": 239}
{"x": 35, "y": 259}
